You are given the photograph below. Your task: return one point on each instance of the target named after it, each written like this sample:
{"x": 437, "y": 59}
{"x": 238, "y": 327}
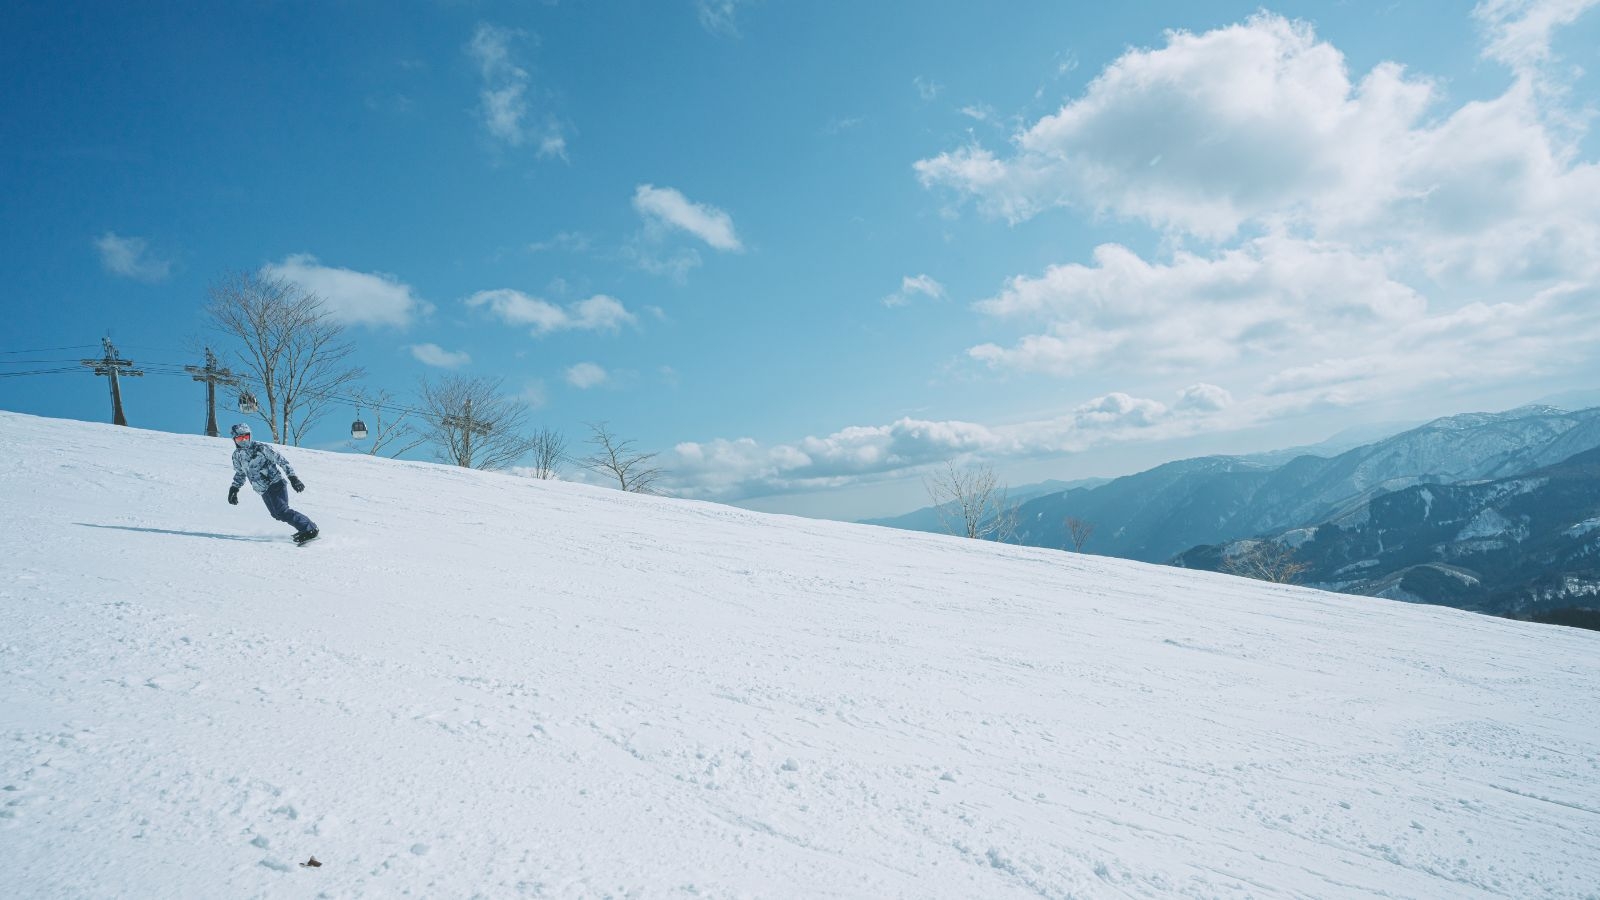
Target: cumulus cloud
{"x": 1202, "y": 135}
{"x": 505, "y": 104}
{"x": 586, "y": 375}
{"x": 913, "y": 286}
{"x": 1260, "y": 124}
{"x": 434, "y": 355}
{"x": 667, "y": 207}
{"x": 1327, "y": 237}
{"x": 597, "y": 313}
{"x": 353, "y": 298}
{"x": 130, "y": 257}
{"x": 1204, "y": 398}
{"x": 1519, "y": 31}
{"x": 1270, "y": 296}
{"x": 1552, "y": 332}
{"x": 734, "y": 469}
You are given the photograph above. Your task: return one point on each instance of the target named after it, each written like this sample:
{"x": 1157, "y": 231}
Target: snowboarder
{"x": 260, "y": 463}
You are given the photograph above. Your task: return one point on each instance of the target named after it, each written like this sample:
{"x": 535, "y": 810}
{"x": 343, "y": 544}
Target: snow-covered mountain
{"x": 1524, "y": 545}
{"x": 928, "y": 518}
{"x": 1157, "y": 514}
{"x": 479, "y": 685}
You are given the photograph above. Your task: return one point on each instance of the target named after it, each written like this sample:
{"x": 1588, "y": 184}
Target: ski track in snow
{"x": 476, "y": 685}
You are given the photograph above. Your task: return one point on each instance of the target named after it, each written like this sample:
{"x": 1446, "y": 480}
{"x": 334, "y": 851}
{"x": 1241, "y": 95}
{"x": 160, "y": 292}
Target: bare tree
{"x": 1079, "y": 531}
{"x": 971, "y": 502}
{"x": 289, "y": 344}
{"x": 1265, "y": 561}
{"x": 549, "y": 449}
{"x": 391, "y": 426}
{"x": 616, "y": 458}
{"x": 472, "y": 424}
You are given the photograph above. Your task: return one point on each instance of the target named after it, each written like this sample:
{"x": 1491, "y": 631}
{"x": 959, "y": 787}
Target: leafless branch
{"x": 1079, "y": 531}
{"x": 549, "y": 449}
{"x": 288, "y": 343}
{"x": 1264, "y": 560}
{"x": 971, "y": 502}
{"x": 617, "y": 458}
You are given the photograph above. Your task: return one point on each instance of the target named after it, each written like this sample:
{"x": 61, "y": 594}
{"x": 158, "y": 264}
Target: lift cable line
{"x": 112, "y": 365}
{"x": 47, "y": 349}
{"x": 466, "y": 425}
{"x": 41, "y": 372}
{"x": 245, "y": 382}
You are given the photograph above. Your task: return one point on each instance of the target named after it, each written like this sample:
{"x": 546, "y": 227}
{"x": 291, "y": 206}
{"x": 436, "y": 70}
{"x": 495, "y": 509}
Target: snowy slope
{"x": 482, "y": 685}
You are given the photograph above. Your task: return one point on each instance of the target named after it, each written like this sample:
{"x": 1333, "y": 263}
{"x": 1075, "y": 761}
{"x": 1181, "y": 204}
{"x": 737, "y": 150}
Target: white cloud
{"x": 1259, "y": 124}
{"x": 1519, "y": 31}
{"x": 354, "y": 298}
{"x": 927, "y": 89}
{"x": 721, "y": 16}
{"x": 597, "y": 313}
{"x": 1555, "y": 331}
{"x": 568, "y": 241}
{"x": 1309, "y": 324}
{"x": 727, "y": 469}
{"x": 1269, "y": 297}
{"x": 434, "y": 355}
{"x": 516, "y": 308}
{"x": 130, "y": 257}
{"x": 1204, "y": 397}
{"x": 600, "y": 313}
{"x": 1365, "y": 243}
{"x": 913, "y": 286}
{"x": 504, "y": 99}
{"x": 553, "y": 143}
{"x": 586, "y": 375}
{"x": 1248, "y": 121}
{"x": 669, "y": 207}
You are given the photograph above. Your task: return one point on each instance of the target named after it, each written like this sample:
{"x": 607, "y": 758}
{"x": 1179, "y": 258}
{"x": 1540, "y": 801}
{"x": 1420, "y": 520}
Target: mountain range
{"x": 1156, "y": 514}
{"x": 1191, "y": 509}
{"x": 1522, "y": 546}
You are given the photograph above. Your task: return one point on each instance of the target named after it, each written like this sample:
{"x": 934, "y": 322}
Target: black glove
{"x": 296, "y": 483}
{"x": 233, "y": 495}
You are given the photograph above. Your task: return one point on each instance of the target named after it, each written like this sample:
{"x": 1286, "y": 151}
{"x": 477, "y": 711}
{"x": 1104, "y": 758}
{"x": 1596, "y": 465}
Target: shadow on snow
{"x": 202, "y": 534}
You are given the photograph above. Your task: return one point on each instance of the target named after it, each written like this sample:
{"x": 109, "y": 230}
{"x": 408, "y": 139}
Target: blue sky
{"x": 807, "y": 250}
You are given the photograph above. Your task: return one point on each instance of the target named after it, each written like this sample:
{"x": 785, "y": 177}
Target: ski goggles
{"x": 240, "y": 437}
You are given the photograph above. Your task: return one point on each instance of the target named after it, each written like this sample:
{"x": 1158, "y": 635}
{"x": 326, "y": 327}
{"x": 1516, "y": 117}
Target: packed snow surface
{"x": 480, "y": 685}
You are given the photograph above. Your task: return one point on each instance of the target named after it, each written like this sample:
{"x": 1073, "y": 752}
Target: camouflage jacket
{"x": 259, "y": 463}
